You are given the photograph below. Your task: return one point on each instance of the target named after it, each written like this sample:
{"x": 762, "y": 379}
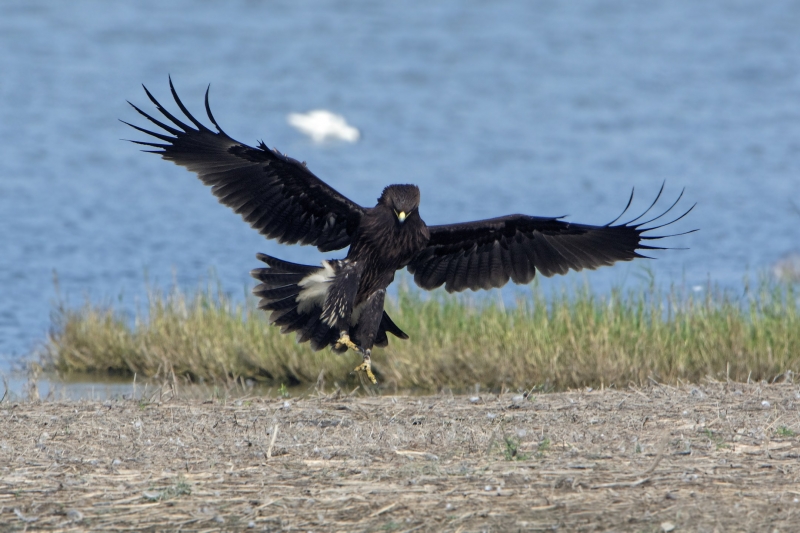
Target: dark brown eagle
{"x": 340, "y": 304}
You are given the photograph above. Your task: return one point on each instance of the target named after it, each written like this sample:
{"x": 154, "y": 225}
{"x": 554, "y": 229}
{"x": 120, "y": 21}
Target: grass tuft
{"x": 512, "y": 451}
{"x": 570, "y": 339}
{"x": 180, "y": 488}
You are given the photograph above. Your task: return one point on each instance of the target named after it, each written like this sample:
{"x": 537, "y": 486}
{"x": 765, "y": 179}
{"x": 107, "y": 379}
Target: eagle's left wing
{"x": 486, "y": 253}
{"x": 275, "y": 194}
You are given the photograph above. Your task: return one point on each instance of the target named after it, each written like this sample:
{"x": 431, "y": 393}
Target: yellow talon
{"x": 366, "y": 366}
{"x": 344, "y": 340}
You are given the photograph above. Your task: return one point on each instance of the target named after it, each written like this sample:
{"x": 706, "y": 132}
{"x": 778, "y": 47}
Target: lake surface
{"x": 547, "y": 108}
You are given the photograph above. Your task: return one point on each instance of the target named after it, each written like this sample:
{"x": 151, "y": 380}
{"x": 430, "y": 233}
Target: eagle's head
{"x": 403, "y": 200}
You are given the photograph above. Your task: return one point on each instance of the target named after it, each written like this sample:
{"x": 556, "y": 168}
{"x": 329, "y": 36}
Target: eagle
{"x": 341, "y": 303}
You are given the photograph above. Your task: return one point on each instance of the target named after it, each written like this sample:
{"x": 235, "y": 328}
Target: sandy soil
{"x": 712, "y": 457}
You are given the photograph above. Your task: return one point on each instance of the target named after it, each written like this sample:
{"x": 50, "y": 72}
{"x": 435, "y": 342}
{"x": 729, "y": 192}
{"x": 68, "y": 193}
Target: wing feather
{"x": 452, "y": 268}
{"x": 499, "y": 269}
{"x": 459, "y": 278}
{"x": 563, "y": 254}
{"x": 483, "y": 257}
{"x": 275, "y": 194}
{"x": 522, "y": 272}
{"x": 552, "y": 262}
{"x": 472, "y": 269}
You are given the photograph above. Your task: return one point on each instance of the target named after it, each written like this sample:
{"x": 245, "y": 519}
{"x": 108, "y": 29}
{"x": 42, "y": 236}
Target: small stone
{"x": 666, "y": 527}
{"x": 487, "y": 488}
{"x": 475, "y": 399}
{"x": 764, "y": 403}
{"x": 24, "y": 518}
{"x": 491, "y": 416}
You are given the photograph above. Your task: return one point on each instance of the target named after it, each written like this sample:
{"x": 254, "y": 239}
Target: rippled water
{"x": 546, "y": 108}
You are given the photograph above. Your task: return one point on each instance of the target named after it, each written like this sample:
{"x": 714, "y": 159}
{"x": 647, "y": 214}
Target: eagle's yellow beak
{"x": 401, "y": 216}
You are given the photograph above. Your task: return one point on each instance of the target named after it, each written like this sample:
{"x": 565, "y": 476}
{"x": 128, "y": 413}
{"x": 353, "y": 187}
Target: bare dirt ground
{"x": 711, "y": 457}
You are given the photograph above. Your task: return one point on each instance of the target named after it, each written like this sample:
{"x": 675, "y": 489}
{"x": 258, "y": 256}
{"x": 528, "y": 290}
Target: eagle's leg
{"x": 368, "y": 319}
{"x": 366, "y": 365}
{"x": 338, "y": 307}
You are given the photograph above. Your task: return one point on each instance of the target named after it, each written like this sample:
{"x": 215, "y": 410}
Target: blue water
{"x": 545, "y": 108}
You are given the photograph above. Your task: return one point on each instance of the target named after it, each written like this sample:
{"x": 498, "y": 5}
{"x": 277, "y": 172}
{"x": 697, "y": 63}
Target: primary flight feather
{"x": 340, "y": 304}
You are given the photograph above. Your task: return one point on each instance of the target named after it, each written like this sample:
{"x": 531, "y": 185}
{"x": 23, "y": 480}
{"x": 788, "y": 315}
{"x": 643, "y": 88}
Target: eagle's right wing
{"x": 275, "y": 194}
{"x": 486, "y": 253}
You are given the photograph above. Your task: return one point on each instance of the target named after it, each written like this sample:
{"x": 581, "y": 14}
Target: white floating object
{"x": 322, "y": 125}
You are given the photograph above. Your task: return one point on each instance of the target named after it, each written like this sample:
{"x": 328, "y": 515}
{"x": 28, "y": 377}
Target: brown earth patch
{"x": 712, "y": 457}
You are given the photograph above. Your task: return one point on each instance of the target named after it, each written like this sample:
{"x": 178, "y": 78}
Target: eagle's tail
{"x": 295, "y": 295}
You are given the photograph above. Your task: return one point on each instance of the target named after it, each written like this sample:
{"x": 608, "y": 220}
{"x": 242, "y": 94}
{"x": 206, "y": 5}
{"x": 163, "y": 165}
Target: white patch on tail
{"x": 314, "y": 288}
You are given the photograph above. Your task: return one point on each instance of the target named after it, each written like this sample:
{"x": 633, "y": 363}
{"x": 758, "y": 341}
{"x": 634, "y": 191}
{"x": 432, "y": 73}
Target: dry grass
{"x": 713, "y": 457}
{"x": 564, "y": 341}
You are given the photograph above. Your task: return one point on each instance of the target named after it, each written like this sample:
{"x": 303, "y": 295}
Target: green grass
{"x": 180, "y": 488}
{"x": 569, "y": 339}
{"x": 512, "y": 451}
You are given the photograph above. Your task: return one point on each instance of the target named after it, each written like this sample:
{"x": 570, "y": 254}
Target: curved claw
{"x": 366, "y": 366}
{"x": 344, "y": 340}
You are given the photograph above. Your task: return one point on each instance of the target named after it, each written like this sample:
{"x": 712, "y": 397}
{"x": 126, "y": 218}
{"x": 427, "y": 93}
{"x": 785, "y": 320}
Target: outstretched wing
{"x": 275, "y": 194}
{"x": 486, "y": 253}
